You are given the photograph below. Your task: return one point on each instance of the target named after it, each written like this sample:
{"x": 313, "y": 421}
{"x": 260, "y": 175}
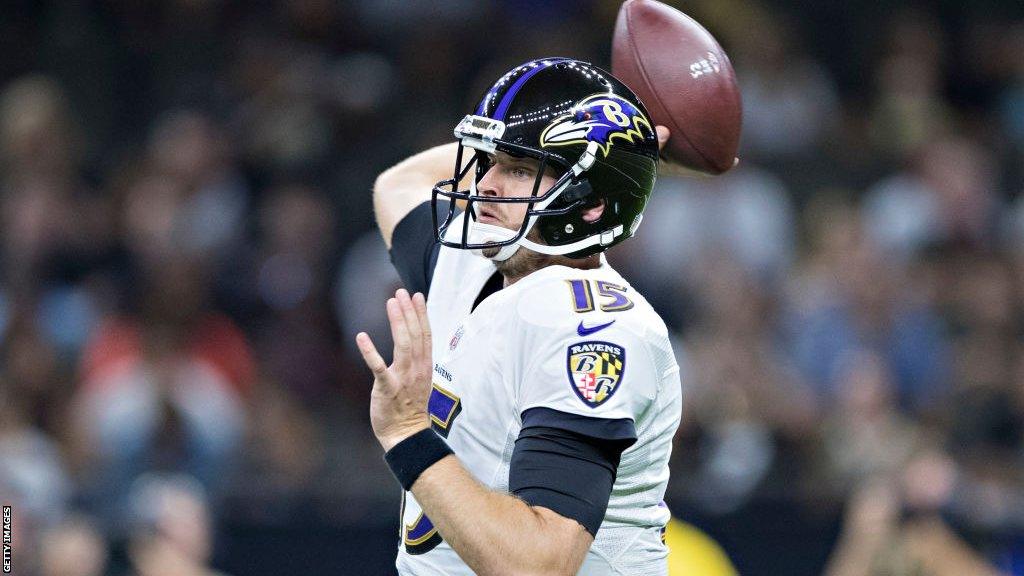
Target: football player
{"x": 533, "y": 395}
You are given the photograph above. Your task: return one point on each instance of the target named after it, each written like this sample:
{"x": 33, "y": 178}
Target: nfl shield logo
{"x": 595, "y": 370}
{"x": 456, "y": 337}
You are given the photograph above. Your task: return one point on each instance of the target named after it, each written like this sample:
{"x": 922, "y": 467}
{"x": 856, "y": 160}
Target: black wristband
{"x": 410, "y": 457}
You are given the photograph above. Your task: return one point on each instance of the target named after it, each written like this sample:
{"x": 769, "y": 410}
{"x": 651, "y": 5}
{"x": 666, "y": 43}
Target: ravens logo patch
{"x": 595, "y": 370}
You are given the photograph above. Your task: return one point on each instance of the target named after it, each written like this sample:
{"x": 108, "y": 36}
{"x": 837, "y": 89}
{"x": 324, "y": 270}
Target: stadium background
{"x": 187, "y": 247}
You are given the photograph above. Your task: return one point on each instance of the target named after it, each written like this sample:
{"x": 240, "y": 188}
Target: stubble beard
{"x": 523, "y": 262}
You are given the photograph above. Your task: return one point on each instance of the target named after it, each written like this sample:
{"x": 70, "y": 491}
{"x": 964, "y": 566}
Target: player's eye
{"x": 519, "y": 172}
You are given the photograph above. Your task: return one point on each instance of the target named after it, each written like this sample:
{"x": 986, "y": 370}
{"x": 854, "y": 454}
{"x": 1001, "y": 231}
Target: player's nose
{"x": 489, "y": 185}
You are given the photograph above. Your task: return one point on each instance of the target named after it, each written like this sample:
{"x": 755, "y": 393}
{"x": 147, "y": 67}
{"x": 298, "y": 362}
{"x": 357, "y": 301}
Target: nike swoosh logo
{"x": 584, "y": 331}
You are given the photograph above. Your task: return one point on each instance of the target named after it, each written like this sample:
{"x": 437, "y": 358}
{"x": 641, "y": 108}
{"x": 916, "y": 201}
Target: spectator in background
{"x": 744, "y": 398}
{"x": 40, "y": 179}
{"x": 55, "y": 231}
{"x": 850, "y": 299}
{"x": 880, "y": 537}
{"x": 286, "y": 474}
{"x": 73, "y": 548}
{"x": 293, "y": 275}
{"x": 32, "y": 469}
{"x": 164, "y": 388}
{"x": 189, "y": 150}
{"x": 790, "y": 104}
{"x": 283, "y": 120}
{"x": 948, "y": 196}
{"x": 909, "y": 108}
{"x": 865, "y": 435}
{"x": 985, "y": 420}
{"x": 171, "y": 528}
{"x": 32, "y": 368}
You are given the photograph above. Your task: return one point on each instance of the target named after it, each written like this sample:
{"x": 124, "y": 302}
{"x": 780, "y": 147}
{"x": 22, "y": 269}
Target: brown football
{"x": 684, "y": 78}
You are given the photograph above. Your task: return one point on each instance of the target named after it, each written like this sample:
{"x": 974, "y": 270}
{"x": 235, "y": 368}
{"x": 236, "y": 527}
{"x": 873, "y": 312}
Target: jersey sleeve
{"x": 568, "y": 471}
{"x": 414, "y": 248}
{"x": 593, "y": 365}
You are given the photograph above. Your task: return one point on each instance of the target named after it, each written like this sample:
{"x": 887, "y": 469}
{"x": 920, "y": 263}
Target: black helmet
{"x": 572, "y": 116}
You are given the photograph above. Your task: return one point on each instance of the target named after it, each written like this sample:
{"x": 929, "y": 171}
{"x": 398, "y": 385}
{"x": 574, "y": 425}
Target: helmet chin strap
{"x": 485, "y": 233}
{"x": 480, "y": 233}
{"x": 604, "y": 238}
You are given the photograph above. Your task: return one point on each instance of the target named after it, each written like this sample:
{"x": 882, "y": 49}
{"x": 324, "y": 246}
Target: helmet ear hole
{"x": 577, "y": 190}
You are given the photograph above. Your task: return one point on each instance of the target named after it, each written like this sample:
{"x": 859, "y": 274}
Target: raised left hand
{"x": 663, "y": 135}
{"x": 398, "y": 402}
{"x": 668, "y": 167}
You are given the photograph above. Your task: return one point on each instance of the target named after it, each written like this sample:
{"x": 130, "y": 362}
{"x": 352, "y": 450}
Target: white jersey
{"x": 577, "y": 341}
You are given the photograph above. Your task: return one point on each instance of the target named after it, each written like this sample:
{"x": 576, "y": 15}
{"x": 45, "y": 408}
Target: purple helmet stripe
{"x": 506, "y": 101}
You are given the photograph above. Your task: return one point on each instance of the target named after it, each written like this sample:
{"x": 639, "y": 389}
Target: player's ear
{"x": 594, "y": 212}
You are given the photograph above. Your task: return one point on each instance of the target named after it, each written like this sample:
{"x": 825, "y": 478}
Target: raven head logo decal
{"x": 598, "y": 118}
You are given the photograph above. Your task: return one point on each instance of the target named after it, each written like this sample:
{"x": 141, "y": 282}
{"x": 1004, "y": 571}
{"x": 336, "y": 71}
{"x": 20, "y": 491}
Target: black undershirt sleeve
{"x": 414, "y": 251}
{"x": 568, "y": 463}
{"x": 414, "y": 247}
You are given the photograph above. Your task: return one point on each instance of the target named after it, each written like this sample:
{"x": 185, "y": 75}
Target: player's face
{"x": 507, "y": 177}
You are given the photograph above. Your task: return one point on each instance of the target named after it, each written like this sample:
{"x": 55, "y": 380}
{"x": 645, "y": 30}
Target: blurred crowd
{"x": 187, "y": 248}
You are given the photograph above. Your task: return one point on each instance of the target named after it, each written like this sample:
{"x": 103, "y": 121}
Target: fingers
{"x": 399, "y": 333}
{"x": 419, "y": 302}
{"x": 410, "y": 330}
{"x": 412, "y": 322}
{"x": 663, "y": 136}
{"x": 372, "y": 358}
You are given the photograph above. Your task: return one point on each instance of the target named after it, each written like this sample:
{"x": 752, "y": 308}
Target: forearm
{"x": 406, "y": 185}
{"x": 426, "y": 168}
{"x": 496, "y": 533}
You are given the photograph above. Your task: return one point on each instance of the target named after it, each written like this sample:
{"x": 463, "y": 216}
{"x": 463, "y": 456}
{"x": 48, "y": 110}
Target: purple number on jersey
{"x": 583, "y": 296}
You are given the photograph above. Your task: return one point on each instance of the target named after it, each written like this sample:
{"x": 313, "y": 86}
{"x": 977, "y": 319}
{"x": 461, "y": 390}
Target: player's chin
{"x": 490, "y": 252}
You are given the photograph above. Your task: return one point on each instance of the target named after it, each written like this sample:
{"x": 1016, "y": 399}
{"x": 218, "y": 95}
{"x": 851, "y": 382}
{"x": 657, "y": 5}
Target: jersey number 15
{"x": 583, "y": 296}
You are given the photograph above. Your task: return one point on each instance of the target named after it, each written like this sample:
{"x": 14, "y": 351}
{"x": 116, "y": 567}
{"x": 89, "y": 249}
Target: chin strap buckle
{"x": 587, "y": 159}
{"x": 608, "y": 236}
